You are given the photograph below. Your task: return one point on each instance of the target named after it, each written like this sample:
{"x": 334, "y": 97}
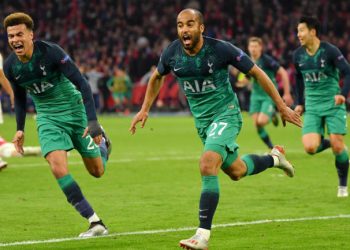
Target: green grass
{"x": 152, "y": 182}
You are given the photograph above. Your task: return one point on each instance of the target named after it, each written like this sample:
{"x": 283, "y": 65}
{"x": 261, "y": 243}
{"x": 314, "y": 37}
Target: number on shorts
{"x": 217, "y": 128}
{"x": 91, "y": 144}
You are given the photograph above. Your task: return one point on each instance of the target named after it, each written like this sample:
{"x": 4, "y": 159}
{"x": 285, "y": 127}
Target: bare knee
{"x": 209, "y": 163}
{"x": 337, "y": 148}
{"x": 97, "y": 171}
{"x": 310, "y": 149}
{"x": 235, "y": 176}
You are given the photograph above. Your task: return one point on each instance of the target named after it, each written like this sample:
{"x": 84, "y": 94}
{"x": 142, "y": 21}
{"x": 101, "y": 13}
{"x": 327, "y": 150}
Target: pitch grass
{"x": 152, "y": 182}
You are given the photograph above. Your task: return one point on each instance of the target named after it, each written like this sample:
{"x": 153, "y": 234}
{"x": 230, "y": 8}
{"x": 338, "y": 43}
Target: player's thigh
{"x": 53, "y": 135}
{"x": 267, "y": 109}
{"x": 94, "y": 166}
{"x": 313, "y": 123}
{"x": 221, "y": 136}
{"x": 254, "y": 106}
{"x": 57, "y": 160}
{"x": 84, "y": 145}
{"x": 210, "y": 162}
{"x": 336, "y": 122}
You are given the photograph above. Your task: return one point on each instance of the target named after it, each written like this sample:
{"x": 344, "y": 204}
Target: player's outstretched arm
{"x": 7, "y": 87}
{"x": 286, "y": 113}
{"x": 154, "y": 84}
{"x": 287, "y": 97}
{"x": 18, "y": 141}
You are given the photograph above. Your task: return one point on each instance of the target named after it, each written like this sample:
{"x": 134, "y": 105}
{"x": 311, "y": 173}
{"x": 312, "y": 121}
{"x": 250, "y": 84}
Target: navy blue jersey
{"x": 204, "y": 77}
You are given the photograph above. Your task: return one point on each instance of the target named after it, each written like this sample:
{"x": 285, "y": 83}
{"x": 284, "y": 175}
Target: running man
{"x": 320, "y": 98}
{"x": 201, "y": 66}
{"x": 262, "y": 107}
{"x": 66, "y": 116}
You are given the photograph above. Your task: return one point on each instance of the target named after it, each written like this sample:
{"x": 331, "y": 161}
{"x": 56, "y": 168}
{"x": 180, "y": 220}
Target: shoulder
{"x": 299, "y": 51}
{"x": 220, "y": 44}
{"x": 9, "y": 61}
{"x": 45, "y": 46}
{"x": 329, "y": 48}
{"x": 327, "y": 45}
{"x": 172, "y": 48}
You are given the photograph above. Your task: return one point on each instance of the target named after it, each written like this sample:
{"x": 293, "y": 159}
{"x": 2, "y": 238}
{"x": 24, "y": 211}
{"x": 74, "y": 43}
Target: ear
{"x": 313, "y": 32}
{"x": 201, "y": 27}
{"x": 31, "y": 35}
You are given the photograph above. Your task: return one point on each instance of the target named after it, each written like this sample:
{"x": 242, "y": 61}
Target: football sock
{"x": 342, "y": 165}
{"x": 325, "y": 143}
{"x": 93, "y": 218}
{"x": 208, "y": 201}
{"x": 74, "y": 196}
{"x": 256, "y": 163}
{"x": 264, "y": 137}
{"x": 104, "y": 154}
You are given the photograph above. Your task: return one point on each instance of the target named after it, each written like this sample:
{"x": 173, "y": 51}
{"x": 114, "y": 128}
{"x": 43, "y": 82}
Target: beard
{"x": 194, "y": 41}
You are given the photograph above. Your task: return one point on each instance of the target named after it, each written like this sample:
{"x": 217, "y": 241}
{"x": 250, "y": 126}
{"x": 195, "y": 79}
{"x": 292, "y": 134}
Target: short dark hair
{"x": 198, "y": 14}
{"x": 311, "y": 22}
{"x": 19, "y": 18}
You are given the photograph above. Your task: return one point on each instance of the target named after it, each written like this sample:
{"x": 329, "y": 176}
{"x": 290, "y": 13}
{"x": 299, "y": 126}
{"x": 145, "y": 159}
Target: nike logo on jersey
{"x": 177, "y": 69}
{"x": 17, "y": 77}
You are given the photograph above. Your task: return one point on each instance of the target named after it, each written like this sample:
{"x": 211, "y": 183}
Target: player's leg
{"x": 3, "y": 164}
{"x": 217, "y": 137}
{"x": 341, "y": 162}
{"x": 209, "y": 166}
{"x": 262, "y": 112}
{"x": 95, "y": 157}
{"x": 313, "y": 130}
{"x": 252, "y": 164}
{"x": 59, "y": 167}
{"x": 55, "y": 140}
{"x": 336, "y": 125}
{"x": 31, "y": 151}
{"x": 261, "y": 121}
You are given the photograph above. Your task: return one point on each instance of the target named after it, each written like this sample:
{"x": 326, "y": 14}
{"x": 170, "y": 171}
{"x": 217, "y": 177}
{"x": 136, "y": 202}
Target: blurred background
{"x": 117, "y": 43}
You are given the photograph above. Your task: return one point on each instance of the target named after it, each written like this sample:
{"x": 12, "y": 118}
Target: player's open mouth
{"x": 186, "y": 39}
{"x": 18, "y": 48}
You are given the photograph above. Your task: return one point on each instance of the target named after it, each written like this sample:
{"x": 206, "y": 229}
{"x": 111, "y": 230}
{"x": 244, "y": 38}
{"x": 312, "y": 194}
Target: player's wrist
{"x": 94, "y": 128}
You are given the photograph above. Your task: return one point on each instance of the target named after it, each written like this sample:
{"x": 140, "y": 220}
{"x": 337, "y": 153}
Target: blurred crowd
{"x": 117, "y": 43}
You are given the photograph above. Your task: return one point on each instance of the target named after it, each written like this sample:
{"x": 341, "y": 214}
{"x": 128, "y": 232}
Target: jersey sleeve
{"x": 299, "y": 83}
{"x": 342, "y": 64}
{"x": 20, "y": 96}
{"x": 236, "y": 57}
{"x": 163, "y": 64}
{"x": 272, "y": 64}
{"x": 71, "y": 71}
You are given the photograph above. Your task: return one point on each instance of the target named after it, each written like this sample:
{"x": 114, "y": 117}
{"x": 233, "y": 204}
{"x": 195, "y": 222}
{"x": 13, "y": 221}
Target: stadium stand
{"x": 131, "y": 34}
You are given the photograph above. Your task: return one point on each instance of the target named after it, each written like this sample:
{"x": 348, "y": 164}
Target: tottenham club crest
{"x": 210, "y": 64}
{"x": 322, "y": 62}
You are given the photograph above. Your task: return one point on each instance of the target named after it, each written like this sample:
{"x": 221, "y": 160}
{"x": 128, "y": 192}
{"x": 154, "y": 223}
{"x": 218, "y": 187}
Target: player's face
{"x": 305, "y": 35}
{"x": 189, "y": 30}
{"x": 254, "y": 49}
{"x": 20, "y": 40}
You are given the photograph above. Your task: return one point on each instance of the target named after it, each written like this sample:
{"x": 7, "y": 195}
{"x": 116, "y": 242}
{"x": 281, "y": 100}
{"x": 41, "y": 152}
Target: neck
{"x": 256, "y": 57}
{"x": 28, "y": 55}
{"x": 197, "y": 48}
{"x": 313, "y": 46}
